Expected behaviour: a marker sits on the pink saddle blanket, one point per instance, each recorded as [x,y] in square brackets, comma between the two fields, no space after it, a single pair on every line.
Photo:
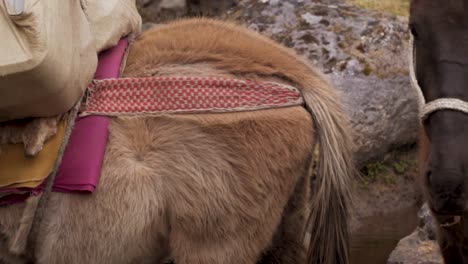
[83,157]
[82,161]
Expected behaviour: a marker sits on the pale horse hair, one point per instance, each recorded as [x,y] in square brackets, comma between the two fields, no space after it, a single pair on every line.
[208,188]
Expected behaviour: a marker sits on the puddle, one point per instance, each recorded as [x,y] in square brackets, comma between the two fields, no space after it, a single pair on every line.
[379,235]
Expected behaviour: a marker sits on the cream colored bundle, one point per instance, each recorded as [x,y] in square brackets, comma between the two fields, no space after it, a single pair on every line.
[48,52]
[111,19]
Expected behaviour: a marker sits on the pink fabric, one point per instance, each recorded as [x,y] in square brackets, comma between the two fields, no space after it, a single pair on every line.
[15,198]
[17,195]
[83,157]
[82,160]
[110,60]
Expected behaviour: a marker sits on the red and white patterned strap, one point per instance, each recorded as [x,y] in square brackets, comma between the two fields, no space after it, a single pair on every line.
[171,95]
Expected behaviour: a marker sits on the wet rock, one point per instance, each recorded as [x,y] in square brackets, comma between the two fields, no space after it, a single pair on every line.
[330,1]
[172,4]
[427,222]
[311,19]
[159,11]
[210,7]
[383,113]
[420,247]
[147,26]
[416,249]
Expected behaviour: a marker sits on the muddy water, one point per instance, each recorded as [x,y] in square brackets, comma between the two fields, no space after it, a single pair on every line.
[378,235]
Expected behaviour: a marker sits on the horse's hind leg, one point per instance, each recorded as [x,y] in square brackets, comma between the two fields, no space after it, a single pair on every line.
[221,230]
[288,244]
[239,240]
[213,252]
[287,248]
[218,240]
[227,207]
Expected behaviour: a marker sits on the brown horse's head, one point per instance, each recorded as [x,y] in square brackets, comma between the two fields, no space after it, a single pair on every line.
[440,30]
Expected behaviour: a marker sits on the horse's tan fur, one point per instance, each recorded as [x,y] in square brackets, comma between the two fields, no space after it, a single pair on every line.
[213,188]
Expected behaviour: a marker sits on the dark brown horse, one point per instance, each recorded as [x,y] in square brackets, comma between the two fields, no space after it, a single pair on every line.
[440,32]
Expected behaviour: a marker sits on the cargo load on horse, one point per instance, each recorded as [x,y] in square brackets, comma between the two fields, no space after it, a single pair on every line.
[48,52]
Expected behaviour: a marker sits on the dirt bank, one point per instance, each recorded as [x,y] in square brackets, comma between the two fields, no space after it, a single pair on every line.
[386,186]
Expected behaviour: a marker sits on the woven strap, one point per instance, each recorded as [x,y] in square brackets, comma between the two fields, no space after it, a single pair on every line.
[170,95]
[425,109]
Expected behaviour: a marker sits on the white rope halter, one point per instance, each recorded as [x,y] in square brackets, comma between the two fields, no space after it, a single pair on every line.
[425,109]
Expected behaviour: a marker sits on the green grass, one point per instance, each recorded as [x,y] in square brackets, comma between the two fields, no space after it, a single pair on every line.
[396,7]
[373,170]
[400,162]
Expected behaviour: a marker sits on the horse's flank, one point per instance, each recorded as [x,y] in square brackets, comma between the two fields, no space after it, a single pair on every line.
[213,188]
[245,53]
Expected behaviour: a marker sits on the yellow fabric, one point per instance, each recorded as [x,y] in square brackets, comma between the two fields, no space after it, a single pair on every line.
[30,184]
[17,170]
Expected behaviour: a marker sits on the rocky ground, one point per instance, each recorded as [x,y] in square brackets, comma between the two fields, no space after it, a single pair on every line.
[364,53]
[420,247]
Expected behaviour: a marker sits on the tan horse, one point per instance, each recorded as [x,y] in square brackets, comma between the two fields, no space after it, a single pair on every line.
[211,188]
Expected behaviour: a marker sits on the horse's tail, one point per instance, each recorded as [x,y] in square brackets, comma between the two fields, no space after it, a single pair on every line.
[329,240]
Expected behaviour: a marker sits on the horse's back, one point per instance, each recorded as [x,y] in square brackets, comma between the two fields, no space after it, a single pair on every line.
[210,188]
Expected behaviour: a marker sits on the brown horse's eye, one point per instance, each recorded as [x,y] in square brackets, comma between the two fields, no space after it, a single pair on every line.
[412,28]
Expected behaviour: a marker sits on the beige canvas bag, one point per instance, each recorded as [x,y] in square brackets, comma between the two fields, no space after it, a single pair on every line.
[48,50]
[111,19]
